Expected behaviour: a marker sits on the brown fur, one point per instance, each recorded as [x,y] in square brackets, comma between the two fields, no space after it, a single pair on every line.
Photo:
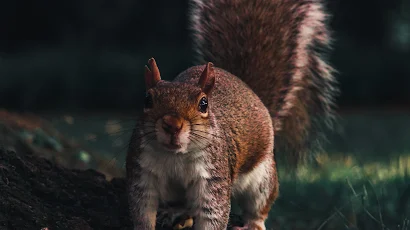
[237,122]
[276,47]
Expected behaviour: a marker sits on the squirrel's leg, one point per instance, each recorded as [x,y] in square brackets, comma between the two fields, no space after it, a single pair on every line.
[143,201]
[210,203]
[216,205]
[256,192]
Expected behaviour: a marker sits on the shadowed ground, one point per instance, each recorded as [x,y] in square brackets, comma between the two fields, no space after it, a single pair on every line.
[34,194]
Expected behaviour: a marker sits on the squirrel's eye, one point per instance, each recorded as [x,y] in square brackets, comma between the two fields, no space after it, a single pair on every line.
[148,101]
[203,105]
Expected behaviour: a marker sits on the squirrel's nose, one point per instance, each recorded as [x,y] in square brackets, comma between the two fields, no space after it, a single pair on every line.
[171,124]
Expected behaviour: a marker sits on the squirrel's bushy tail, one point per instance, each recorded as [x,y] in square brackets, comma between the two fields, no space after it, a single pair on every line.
[277,48]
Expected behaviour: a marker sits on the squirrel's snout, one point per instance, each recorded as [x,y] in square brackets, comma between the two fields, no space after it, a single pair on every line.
[171,124]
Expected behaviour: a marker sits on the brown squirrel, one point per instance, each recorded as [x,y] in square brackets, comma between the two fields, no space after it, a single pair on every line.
[208,135]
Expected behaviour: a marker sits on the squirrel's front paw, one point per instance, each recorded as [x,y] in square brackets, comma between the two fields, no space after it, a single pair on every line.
[183,222]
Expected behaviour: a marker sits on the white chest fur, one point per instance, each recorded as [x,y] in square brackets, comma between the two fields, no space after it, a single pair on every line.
[167,168]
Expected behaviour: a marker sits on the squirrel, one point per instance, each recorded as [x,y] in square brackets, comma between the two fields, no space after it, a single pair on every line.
[208,136]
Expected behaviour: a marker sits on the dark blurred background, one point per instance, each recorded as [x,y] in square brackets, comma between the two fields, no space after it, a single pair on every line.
[79,64]
[89,54]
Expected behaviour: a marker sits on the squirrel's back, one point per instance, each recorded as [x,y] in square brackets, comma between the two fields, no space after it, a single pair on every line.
[276,47]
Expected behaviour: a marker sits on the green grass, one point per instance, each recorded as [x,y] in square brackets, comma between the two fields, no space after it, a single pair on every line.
[342,193]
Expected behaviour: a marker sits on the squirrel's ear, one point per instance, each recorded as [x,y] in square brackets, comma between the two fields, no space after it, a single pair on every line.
[152,75]
[207,79]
